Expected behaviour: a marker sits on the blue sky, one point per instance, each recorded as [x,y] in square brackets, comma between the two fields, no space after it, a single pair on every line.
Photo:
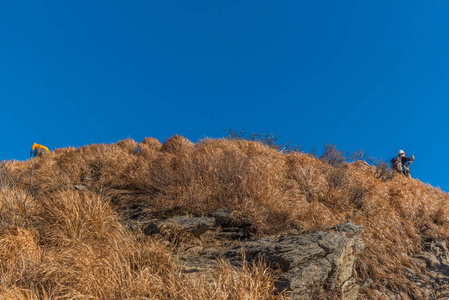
[357,74]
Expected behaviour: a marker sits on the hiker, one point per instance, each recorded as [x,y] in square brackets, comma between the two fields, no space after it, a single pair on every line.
[38,150]
[401,164]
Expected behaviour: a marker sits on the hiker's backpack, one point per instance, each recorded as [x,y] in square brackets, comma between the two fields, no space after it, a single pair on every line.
[396,164]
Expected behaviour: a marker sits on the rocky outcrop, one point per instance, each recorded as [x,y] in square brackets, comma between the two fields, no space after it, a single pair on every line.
[195,226]
[221,221]
[434,263]
[320,259]
[307,263]
[429,272]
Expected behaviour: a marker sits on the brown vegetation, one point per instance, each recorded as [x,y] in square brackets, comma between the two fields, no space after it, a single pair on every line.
[71,244]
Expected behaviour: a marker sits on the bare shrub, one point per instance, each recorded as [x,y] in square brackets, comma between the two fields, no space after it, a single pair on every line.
[269,139]
[332,155]
[359,154]
[289,147]
[383,170]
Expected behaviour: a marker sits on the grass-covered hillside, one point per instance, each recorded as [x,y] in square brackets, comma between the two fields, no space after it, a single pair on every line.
[57,242]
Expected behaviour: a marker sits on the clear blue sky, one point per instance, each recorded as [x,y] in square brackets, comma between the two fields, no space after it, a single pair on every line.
[357,74]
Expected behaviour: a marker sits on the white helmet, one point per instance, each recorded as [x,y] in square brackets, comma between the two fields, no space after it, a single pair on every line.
[401,152]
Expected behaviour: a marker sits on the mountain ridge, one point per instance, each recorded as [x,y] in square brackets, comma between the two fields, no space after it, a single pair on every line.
[279,192]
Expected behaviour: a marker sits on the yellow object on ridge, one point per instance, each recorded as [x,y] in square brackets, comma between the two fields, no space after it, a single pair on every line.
[37,146]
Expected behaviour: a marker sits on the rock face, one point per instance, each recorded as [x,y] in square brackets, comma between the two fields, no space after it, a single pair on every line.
[305,261]
[434,259]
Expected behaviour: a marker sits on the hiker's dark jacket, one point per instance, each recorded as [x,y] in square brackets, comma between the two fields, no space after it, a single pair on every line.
[405,160]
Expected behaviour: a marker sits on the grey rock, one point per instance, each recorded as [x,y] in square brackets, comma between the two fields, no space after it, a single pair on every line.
[228,235]
[222,216]
[430,260]
[229,228]
[136,212]
[80,187]
[315,259]
[241,223]
[152,228]
[348,227]
[432,274]
[231,233]
[196,226]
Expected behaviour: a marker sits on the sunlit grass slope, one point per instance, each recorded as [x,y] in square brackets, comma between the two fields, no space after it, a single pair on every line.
[69,244]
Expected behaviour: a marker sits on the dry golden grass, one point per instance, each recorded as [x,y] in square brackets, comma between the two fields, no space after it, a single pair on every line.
[70,244]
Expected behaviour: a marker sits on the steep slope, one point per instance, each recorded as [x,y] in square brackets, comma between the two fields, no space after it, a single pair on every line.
[67,243]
